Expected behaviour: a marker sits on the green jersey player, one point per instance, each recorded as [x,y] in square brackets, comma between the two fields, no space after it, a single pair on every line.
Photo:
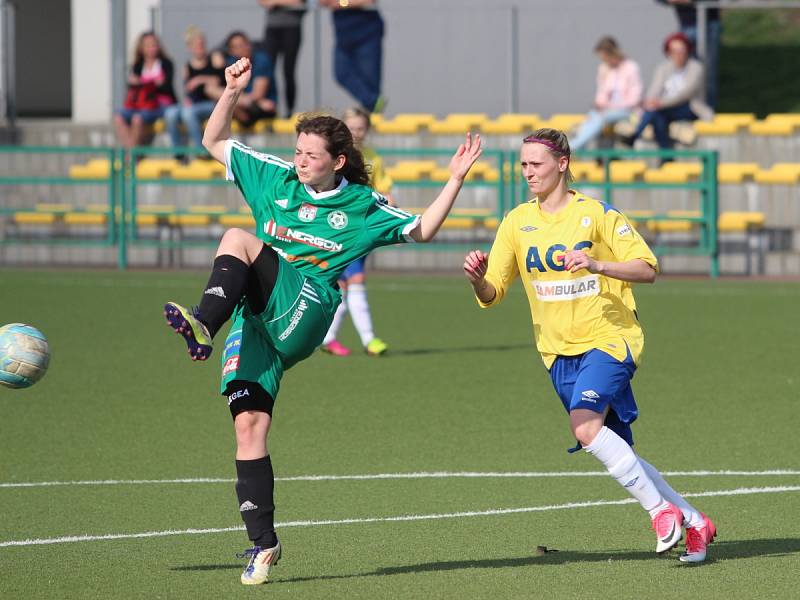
[313,217]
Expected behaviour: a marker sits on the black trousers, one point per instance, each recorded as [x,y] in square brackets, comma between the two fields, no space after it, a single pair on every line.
[284,42]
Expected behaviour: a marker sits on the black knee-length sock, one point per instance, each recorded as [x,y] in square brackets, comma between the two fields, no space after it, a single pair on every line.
[224,290]
[254,488]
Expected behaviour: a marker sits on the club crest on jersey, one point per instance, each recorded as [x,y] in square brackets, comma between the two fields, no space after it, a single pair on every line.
[307,212]
[337,219]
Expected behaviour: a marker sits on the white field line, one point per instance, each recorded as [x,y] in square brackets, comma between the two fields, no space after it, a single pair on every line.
[430,517]
[417,475]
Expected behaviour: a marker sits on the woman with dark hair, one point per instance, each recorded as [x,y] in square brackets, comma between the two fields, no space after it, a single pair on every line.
[259,99]
[313,218]
[578,258]
[150,91]
[282,37]
[677,92]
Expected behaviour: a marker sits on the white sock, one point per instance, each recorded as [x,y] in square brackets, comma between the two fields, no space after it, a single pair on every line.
[338,317]
[621,461]
[359,311]
[691,515]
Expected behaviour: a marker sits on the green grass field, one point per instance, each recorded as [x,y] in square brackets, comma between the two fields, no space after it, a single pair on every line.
[462,391]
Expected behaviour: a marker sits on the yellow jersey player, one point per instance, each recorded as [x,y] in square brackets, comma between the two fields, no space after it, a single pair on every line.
[577,258]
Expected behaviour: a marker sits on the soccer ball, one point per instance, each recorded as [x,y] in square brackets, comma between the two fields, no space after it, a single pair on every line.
[24,355]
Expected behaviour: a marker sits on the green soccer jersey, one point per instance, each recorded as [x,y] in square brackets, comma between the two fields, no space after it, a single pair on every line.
[320,233]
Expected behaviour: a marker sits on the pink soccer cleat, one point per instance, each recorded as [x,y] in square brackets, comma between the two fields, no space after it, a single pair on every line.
[697,540]
[668,524]
[336,349]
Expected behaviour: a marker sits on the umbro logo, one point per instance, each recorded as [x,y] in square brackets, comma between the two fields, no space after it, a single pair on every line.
[215,291]
[631,483]
[590,396]
[528,228]
[247,505]
[282,202]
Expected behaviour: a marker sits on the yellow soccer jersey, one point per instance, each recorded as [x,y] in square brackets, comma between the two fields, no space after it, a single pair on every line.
[572,312]
[379,180]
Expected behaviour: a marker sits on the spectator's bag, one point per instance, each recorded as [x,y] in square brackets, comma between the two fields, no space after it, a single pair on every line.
[141,97]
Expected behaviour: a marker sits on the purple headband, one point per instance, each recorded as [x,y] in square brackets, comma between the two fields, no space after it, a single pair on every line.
[535,140]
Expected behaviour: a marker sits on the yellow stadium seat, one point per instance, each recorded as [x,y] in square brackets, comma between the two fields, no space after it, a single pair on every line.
[738,221]
[459,123]
[284,126]
[673,172]
[189,220]
[34,218]
[99,208]
[85,218]
[404,123]
[776,124]
[716,127]
[156,209]
[97,168]
[144,220]
[639,216]
[153,168]
[159,126]
[458,223]
[587,171]
[410,170]
[491,222]
[627,171]
[191,171]
[677,225]
[564,122]
[237,221]
[741,119]
[780,173]
[511,123]
[736,172]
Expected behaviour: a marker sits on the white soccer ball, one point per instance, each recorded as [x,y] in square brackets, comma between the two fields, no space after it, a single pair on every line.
[24,355]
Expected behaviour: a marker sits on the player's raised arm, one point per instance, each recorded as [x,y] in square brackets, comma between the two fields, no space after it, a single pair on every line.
[218,129]
[437,212]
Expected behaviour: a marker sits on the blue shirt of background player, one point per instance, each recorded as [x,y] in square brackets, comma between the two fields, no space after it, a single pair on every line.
[262,67]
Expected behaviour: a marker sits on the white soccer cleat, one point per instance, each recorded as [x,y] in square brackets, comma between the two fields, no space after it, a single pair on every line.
[261,561]
[697,540]
[667,525]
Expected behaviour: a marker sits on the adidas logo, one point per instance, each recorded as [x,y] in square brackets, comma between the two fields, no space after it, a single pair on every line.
[247,505]
[283,202]
[216,291]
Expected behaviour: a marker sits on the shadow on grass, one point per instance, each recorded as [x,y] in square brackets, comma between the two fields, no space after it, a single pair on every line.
[722,550]
[420,351]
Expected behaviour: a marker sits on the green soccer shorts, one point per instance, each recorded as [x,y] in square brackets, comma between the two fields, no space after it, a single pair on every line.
[259,348]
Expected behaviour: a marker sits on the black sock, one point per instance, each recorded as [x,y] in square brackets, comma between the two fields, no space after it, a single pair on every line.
[254,485]
[263,276]
[223,292]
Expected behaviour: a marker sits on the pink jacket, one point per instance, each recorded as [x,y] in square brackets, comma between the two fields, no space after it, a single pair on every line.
[620,87]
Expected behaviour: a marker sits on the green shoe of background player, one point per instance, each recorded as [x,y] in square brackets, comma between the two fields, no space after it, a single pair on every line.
[376,347]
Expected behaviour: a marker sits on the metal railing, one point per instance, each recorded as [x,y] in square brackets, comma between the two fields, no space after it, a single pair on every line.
[124,212]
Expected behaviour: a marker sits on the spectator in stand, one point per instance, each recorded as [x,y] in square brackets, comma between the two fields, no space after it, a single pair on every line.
[282,38]
[676,93]
[150,91]
[358,53]
[619,91]
[260,97]
[686,11]
[203,82]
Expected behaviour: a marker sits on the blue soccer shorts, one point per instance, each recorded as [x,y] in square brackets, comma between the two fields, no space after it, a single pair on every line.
[354,268]
[595,381]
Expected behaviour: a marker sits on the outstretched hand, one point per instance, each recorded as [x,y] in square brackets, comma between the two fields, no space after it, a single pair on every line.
[237,76]
[465,156]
